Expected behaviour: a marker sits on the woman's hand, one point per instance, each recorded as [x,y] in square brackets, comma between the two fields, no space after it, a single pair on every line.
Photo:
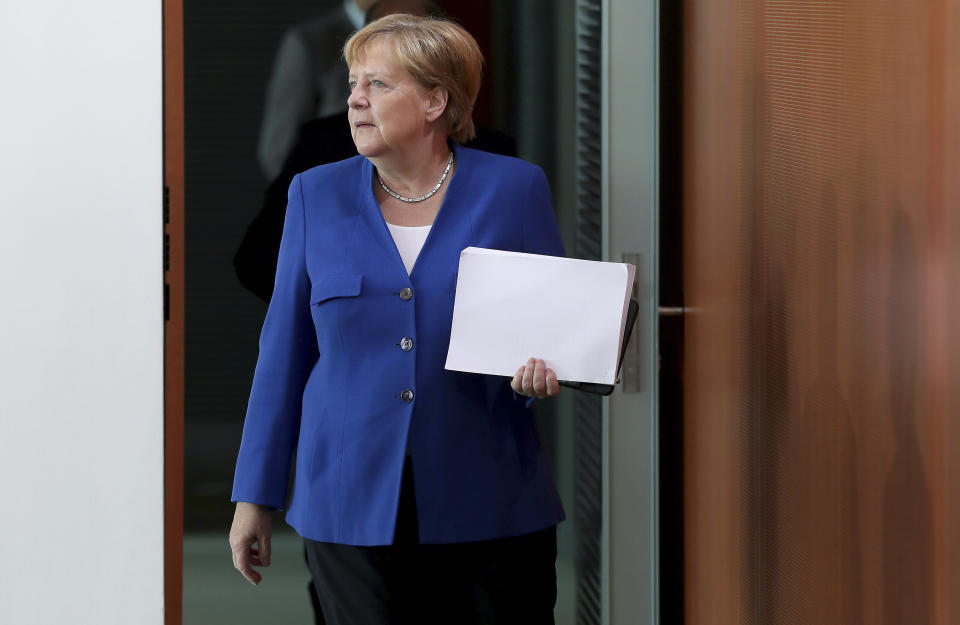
[251,524]
[535,380]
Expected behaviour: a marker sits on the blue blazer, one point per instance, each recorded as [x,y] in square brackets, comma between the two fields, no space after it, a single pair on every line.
[333,383]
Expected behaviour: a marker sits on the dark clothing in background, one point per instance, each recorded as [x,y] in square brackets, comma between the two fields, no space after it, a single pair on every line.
[321,141]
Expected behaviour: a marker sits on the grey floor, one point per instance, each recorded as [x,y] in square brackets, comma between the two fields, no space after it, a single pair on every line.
[215,594]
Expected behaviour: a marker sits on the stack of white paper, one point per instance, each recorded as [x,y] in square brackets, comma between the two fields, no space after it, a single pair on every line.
[511,306]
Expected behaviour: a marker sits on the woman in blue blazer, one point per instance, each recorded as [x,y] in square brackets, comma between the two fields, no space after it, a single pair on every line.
[423,494]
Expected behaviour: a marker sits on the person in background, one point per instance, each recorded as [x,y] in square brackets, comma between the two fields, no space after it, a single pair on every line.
[423,495]
[309,80]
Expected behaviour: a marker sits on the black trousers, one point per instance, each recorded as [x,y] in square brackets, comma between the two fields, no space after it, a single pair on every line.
[504,581]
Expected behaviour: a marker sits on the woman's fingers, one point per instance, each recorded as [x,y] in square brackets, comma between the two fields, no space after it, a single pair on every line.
[517,382]
[528,371]
[540,379]
[534,379]
[553,385]
[250,573]
[244,560]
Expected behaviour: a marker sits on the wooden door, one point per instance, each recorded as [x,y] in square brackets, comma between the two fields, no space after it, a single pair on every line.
[821,237]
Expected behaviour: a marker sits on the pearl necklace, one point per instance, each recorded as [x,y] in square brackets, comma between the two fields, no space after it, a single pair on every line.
[422,197]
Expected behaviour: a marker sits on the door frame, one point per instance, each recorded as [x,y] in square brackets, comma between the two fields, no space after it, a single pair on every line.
[630,121]
[174,326]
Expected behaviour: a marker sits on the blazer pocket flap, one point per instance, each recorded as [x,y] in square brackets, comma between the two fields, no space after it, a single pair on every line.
[329,287]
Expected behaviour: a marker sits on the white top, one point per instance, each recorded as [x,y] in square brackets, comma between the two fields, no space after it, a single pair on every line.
[409,240]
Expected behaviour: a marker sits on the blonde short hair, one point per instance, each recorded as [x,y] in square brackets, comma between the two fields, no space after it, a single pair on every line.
[437,53]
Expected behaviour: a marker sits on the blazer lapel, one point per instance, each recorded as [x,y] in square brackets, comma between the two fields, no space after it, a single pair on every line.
[451,217]
[373,219]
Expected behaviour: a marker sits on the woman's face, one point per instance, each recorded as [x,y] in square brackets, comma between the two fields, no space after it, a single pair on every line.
[389,109]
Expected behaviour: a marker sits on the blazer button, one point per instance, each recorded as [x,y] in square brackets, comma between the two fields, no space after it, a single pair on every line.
[406,395]
[406,344]
[406,293]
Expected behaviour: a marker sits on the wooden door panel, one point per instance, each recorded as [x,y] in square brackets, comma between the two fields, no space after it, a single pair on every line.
[821,276]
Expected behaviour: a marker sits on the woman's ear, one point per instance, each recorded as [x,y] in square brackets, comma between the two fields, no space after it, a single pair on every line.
[436,103]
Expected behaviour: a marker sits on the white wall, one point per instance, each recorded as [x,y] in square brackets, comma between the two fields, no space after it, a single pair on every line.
[81,362]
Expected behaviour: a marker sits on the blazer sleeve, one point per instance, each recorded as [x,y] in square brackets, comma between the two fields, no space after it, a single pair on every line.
[288,352]
[541,234]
